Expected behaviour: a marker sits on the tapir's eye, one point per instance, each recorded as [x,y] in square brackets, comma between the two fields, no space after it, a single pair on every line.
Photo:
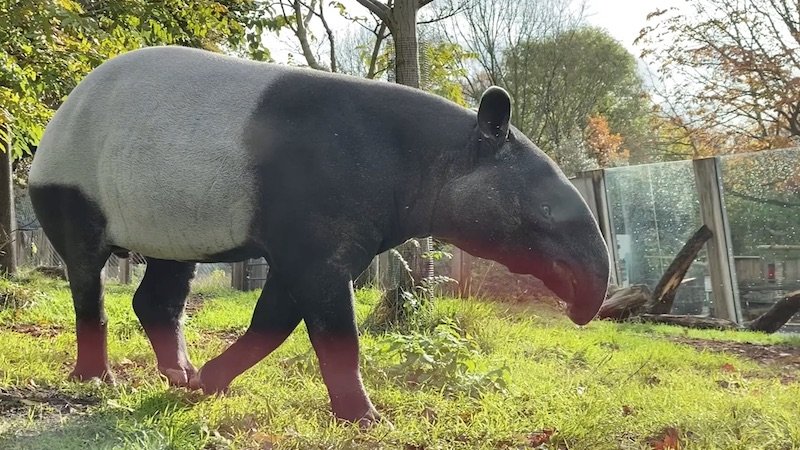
[546,212]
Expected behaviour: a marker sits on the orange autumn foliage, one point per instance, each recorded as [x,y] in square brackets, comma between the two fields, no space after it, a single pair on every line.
[604,145]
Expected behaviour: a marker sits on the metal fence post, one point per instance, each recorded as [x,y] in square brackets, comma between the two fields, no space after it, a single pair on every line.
[591,184]
[724,290]
[124,269]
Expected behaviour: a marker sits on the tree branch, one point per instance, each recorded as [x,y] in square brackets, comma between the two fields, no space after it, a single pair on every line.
[329,32]
[765,201]
[379,9]
[302,36]
[380,35]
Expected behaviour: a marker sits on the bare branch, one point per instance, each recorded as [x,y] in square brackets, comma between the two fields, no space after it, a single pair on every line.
[329,32]
[380,35]
[302,35]
[379,9]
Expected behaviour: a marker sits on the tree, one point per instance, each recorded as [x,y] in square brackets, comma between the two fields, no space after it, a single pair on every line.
[602,144]
[400,18]
[489,29]
[297,16]
[730,66]
[560,82]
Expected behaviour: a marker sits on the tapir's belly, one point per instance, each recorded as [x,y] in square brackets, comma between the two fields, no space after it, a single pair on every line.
[179,212]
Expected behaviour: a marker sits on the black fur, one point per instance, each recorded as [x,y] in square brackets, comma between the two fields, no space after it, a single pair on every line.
[159,302]
[76,228]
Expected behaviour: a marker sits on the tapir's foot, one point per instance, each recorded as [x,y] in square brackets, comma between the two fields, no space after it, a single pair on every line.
[102,374]
[211,379]
[358,410]
[368,420]
[179,376]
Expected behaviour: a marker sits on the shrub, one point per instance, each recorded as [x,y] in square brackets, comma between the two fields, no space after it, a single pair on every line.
[16,295]
[444,360]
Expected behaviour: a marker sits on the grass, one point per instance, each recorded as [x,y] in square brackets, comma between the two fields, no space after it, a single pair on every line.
[537,378]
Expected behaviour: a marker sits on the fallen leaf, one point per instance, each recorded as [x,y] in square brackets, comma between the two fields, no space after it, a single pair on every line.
[540,438]
[627,410]
[728,367]
[669,440]
[652,380]
[429,414]
[265,441]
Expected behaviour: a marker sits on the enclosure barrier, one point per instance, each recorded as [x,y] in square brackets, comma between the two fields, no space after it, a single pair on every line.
[749,201]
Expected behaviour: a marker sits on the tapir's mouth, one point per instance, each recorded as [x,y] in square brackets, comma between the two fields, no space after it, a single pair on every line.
[577,286]
[577,290]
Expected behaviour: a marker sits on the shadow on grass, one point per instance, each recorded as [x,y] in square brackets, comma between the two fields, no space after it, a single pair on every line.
[110,426]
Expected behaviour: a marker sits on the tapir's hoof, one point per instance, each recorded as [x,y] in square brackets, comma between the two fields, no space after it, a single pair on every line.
[369,420]
[94,375]
[180,377]
[209,385]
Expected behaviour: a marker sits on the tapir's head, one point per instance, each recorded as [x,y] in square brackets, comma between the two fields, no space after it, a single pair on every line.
[512,204]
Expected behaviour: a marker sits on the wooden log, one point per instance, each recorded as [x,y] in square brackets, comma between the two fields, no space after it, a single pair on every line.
[664,292]
[777,316]
[689,321]
[624,302]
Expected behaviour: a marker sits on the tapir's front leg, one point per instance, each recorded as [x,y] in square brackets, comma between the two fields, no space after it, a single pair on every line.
[275,317]
[327,306]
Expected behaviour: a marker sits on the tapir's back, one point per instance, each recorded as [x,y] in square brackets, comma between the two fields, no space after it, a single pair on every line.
[154,138]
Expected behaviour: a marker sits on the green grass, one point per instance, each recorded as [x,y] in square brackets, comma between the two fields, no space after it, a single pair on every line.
[604,386]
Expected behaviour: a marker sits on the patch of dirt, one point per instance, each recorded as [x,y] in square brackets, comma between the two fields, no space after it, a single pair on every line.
[15,401]
[36,330]
[229,336]
[194,303]
[786,358]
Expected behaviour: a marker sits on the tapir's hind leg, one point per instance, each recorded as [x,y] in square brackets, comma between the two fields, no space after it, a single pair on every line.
[159,303]
[90,322]
[76,228]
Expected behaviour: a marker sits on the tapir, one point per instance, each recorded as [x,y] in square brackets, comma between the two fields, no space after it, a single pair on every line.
[187,156]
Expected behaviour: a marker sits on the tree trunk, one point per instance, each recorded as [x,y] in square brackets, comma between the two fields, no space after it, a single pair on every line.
[708,323]
[8,225]
[777,316]
[403,26]
[664,292]
[625,302]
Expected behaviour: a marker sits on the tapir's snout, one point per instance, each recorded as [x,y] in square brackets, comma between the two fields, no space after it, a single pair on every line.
[582,284]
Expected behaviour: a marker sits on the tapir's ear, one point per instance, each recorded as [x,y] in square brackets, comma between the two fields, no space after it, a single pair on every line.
[494,114]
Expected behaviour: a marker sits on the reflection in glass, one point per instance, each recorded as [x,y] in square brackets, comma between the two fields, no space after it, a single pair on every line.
[762,198]
[654,210]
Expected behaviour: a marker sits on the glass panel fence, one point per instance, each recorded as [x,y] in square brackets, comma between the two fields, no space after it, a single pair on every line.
[762,198]
[654,210]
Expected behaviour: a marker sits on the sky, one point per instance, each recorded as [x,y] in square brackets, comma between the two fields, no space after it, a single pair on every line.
[624,18]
